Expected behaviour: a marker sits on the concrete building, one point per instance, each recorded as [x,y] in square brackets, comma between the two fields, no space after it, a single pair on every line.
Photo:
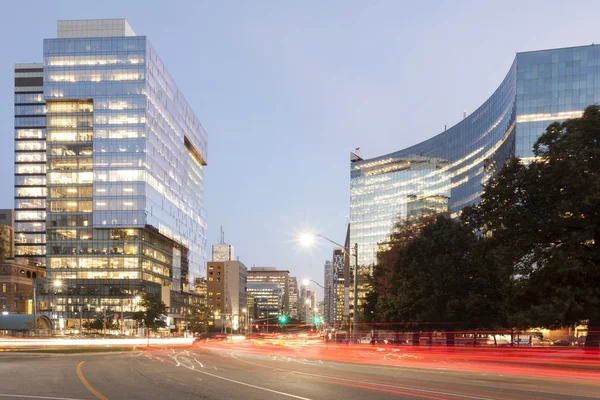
[226,292]
[273,275]
[109,164]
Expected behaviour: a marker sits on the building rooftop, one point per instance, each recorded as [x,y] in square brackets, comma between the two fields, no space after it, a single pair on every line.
[90,28]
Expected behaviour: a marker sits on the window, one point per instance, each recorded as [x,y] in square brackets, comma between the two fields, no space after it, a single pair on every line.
[30,168]
[4,288]
[29,133]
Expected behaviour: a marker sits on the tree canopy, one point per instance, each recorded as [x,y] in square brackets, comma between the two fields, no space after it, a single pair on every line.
[152,314]
[528,255]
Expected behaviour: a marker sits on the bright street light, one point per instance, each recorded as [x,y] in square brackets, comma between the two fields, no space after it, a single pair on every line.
[57,283]
[307,239]
[307,301]
[244,310]
[305,282]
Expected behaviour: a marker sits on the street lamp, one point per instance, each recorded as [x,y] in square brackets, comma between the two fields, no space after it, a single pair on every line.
[307,311]
[307,240]
[307,281]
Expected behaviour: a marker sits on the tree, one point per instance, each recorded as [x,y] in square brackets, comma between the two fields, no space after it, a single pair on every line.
[152,315]
[567,175]
[197,319]
[439,281]
[542,222]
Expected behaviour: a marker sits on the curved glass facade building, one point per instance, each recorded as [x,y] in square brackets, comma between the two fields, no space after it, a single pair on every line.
[446,172]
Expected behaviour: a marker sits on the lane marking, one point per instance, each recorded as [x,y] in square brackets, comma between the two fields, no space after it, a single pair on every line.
[464,396]
[24,396]
[86,383]
[246,384]
[249,385]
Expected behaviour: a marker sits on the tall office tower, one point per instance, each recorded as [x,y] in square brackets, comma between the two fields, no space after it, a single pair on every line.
[293,297]
[328,303]
[222,252]
[123,179]
[226,290]
[272,274]
[30,165]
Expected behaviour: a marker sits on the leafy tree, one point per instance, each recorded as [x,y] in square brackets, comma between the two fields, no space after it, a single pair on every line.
[568,267]
[439,281]
[197,319]
[152,315]
[542,222]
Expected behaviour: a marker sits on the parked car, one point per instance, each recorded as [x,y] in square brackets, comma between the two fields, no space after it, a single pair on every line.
[561,342]
[365,340]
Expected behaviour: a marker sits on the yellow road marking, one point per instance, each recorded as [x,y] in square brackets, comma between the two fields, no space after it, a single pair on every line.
[87,384]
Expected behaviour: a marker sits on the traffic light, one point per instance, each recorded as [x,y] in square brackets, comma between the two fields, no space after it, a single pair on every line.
[283,319]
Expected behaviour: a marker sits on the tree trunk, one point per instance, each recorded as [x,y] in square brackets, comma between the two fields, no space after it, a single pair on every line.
[148,336]
[495,342]
[593,336]
[415,338]
[474,339]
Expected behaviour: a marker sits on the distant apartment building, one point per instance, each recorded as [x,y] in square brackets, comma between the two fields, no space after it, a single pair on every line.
[294,297]
[109,164]
[273,275]
[226,291]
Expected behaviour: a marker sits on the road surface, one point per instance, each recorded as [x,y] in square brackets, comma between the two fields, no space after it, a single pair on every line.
[238,372]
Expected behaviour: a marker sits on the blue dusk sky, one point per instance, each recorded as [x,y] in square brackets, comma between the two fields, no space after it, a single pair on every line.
[287,89]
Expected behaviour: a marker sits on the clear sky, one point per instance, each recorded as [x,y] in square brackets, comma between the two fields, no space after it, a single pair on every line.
[287,89]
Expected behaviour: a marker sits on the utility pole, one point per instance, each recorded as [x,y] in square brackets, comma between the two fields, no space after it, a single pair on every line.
[34,308]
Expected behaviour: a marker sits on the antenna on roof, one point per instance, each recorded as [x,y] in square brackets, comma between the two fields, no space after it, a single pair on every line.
[222,238]
[464,114]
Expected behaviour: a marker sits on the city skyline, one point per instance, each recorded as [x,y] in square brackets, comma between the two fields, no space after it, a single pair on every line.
[321,119]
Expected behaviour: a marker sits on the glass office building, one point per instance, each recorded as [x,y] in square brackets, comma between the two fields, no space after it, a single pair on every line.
[121,157]
[447,172]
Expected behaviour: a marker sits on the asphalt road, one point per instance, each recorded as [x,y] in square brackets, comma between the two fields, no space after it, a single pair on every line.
[230,372]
